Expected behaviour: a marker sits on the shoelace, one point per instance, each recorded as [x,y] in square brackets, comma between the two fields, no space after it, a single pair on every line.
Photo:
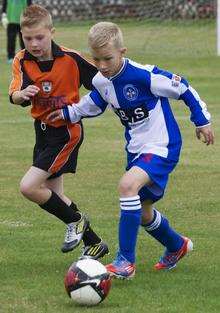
[170,257]
[120,260]
[69,231]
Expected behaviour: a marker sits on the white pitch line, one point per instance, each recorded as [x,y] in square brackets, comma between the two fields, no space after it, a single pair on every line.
[15,223]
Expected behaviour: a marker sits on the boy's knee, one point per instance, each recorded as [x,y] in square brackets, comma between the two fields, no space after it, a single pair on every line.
[25,189]
[127,188]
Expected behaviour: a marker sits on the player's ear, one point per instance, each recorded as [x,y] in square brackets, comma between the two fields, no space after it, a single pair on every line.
[123,50]
[53,31]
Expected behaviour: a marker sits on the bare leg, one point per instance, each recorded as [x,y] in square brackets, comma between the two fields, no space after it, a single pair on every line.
[32,185]
[56,185]
[147,212]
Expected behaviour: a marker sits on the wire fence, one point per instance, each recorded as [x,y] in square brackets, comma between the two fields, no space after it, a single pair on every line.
[75,10]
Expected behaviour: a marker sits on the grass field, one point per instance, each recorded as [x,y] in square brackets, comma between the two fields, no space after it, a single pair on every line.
[31,264]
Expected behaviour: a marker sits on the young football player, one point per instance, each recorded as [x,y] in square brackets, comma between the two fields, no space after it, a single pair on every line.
[49,76]
[11,11]
[139,94]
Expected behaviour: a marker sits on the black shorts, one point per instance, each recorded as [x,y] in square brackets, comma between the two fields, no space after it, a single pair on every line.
[56,148]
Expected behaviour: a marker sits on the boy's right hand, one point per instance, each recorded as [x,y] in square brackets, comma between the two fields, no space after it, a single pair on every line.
[4,20]
[29,92]
[19,97]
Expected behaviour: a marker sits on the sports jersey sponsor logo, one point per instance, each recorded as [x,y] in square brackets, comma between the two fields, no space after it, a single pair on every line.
[55,102]
[47,86]
[130,92]
[176,80]
[132,115]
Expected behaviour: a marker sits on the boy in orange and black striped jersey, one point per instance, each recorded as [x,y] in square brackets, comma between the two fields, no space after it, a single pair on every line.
[47,76]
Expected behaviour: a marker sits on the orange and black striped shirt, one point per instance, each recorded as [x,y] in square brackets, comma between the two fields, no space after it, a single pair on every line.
[59,80]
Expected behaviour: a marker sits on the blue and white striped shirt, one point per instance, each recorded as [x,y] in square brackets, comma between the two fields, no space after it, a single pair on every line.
[139,94]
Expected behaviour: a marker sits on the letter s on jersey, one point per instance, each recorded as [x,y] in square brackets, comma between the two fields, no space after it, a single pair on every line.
[139,113]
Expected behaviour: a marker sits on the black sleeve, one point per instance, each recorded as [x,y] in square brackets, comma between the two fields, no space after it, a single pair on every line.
[23,104]
[29,2]
[4,6]
[86,70]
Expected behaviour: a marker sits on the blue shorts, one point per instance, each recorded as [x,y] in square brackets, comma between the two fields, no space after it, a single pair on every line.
[158,169]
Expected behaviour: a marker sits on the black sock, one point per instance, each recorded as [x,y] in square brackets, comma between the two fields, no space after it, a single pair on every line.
[90,237]
[56,206]
[68,214]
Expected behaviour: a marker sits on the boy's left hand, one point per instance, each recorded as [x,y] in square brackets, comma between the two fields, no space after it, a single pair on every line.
[206,134]
[55,116]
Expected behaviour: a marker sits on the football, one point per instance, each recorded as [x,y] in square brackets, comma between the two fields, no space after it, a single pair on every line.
[87,282]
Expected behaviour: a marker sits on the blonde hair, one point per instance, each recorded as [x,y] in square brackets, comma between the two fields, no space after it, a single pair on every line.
[34,15]
[102,33]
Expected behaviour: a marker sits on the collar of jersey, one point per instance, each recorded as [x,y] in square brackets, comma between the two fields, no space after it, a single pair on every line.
[56,50]
[122,69]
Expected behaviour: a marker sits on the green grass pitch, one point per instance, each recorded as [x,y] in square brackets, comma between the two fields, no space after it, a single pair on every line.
[32,267]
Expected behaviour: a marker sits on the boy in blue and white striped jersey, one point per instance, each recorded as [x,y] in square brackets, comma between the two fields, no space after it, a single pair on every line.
[139,95]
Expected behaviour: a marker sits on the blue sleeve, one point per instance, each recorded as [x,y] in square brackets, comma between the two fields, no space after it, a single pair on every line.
[169,85]
[199,114]
[98,100]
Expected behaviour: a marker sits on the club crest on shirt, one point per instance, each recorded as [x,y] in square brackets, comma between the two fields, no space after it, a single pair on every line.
[130,92]
[47,86]
[176,80]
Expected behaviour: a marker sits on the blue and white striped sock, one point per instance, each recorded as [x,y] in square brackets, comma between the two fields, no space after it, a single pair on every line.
[130,220]
[160,229]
